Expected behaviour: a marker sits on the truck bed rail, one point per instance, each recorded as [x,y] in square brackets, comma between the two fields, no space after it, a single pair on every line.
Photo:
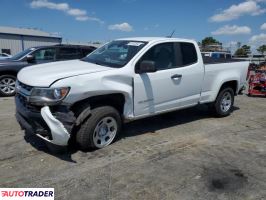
[209,60]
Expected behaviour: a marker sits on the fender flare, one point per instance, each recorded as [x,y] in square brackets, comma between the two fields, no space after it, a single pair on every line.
[83,115]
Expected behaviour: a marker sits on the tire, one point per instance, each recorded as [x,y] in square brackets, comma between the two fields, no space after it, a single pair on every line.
[224,102]
[100,129]
[7,85]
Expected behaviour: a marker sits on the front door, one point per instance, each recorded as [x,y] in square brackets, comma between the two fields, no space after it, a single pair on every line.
[176,83]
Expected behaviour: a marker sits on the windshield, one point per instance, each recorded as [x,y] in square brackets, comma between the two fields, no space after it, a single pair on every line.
[22,54]
[115,54]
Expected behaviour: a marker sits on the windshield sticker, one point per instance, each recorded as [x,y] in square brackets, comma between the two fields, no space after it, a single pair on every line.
[135,43]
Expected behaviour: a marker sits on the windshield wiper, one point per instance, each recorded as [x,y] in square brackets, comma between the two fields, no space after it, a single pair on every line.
[97,63]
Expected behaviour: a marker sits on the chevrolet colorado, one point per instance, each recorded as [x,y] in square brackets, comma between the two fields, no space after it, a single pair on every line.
[127,79]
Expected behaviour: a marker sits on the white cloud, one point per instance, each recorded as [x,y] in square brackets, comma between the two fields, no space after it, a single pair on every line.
[232,30]
[76,12]
[258,39]
[121,27]
[82,18]
[263,26]
[235,11]
[49,5]
[79,14]
[95,19]
[260,1]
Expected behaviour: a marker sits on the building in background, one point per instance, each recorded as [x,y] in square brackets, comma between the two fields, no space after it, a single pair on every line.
[14,40]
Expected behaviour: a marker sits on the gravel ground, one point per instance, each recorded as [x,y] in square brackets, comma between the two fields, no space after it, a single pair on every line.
[182,155]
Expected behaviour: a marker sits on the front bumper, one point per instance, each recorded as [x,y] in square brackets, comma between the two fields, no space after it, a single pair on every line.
[53,127]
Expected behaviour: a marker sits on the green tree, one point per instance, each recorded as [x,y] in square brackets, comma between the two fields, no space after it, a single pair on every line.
[208,41]
[262,49]
[240,52]
[246,48]
[243,51]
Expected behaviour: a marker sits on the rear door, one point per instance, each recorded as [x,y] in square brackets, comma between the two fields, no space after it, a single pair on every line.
[176,83]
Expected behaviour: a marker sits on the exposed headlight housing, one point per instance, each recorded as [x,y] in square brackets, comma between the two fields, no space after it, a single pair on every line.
[48,96]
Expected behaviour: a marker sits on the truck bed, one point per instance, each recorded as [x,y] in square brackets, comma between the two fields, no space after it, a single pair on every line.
[209,60]
[219,70]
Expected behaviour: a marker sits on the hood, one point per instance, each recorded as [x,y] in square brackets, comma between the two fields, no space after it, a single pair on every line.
[44,75]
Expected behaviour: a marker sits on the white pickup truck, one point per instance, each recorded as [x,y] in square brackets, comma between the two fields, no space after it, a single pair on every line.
[127,79]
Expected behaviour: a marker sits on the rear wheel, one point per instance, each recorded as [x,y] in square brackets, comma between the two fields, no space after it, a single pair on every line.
[100,129]
[7,85]
[224,102]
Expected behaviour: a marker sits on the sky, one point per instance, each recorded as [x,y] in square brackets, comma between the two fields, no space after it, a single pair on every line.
[229,21]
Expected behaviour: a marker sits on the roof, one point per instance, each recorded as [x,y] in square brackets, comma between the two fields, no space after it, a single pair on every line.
[62,45]
[74,45]
[81,43]
[153,39]
[26,31]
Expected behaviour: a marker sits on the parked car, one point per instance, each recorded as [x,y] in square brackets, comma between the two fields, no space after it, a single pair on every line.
[4,56]
[126,79]
[36,55]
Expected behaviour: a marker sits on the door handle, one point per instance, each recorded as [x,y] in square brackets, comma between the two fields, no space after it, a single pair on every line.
[176,76]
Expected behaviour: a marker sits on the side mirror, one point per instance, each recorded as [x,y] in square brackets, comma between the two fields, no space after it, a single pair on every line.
[146,66]
[30,58]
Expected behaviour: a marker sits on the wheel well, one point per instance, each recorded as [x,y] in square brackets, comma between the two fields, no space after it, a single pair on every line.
[231,84]
[8,73]
[116,100]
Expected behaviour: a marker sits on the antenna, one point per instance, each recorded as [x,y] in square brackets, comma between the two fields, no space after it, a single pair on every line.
[171,34]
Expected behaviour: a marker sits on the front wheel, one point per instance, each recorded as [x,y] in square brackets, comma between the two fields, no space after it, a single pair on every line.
[224,102]
[7,85]
[100,129]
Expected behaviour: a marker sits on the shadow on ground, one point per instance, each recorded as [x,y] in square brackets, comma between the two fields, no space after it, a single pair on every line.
[131,129]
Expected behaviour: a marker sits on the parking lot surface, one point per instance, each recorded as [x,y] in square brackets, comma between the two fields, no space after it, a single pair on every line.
[187,154]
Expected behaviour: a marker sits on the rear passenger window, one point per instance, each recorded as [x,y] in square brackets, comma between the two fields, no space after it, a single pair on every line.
[86,51]
[189,53]
[69,53]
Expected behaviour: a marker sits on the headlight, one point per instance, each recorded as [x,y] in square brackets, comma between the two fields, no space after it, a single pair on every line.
[48,96]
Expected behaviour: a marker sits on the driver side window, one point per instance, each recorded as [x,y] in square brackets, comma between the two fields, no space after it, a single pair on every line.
[163,55]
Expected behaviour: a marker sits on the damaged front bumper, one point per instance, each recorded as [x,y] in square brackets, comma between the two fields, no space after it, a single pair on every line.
[52,124]
[60,135]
